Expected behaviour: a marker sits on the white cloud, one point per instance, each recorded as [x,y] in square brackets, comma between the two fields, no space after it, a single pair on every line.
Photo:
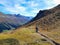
[33,6]
[51,3]
[57,1]
[21,8]
[35,10]
[16,9]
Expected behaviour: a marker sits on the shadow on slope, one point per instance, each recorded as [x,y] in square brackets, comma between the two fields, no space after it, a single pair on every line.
[9,41]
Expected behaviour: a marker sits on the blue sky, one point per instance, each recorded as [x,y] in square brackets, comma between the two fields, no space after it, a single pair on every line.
[26,7]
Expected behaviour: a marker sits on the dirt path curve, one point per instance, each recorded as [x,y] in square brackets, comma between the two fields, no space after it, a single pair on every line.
[48,39]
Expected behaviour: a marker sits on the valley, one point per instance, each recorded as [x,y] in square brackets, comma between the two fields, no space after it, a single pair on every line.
[48,23]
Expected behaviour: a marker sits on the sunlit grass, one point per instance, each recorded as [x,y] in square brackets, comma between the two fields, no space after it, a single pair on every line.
[25,36]
[53,34]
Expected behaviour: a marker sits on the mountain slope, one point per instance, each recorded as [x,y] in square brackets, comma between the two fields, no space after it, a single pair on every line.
[22,36]
[49,24]
[47,19]
[26,35]
[12,21]
[43,13]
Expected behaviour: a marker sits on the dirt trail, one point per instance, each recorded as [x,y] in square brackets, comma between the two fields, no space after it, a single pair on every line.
[48,39]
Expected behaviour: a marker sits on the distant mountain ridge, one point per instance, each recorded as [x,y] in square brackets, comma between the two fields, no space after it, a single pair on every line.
[12,21]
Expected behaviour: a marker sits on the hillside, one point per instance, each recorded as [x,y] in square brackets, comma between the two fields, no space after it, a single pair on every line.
[48,23]
[47,19]
[22,36]
[12,21]
[43,13]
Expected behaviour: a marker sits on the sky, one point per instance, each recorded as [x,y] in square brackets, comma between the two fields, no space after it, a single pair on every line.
[26,7]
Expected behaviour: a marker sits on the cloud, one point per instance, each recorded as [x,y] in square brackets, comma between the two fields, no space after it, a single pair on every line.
[26,7]
[32,4]
[17,9]
[51,3]
[56,1]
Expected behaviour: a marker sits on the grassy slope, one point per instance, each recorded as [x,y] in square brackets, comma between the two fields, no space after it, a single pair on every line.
[49,25]
[54,34]
[24,36]
[27,35]
[53,31]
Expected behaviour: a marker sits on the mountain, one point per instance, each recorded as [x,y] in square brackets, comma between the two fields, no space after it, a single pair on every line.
[12,21]
[48,23]
[43,13]
[47,19]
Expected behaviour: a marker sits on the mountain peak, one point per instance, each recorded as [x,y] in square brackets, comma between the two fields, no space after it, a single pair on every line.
[58,6]
[44,13]
[47,19]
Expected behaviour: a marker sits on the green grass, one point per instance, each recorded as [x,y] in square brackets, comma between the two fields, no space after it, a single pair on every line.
[25,36]
[9,41]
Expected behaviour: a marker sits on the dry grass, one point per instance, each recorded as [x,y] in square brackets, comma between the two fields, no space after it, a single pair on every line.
[53,34]
[25,36]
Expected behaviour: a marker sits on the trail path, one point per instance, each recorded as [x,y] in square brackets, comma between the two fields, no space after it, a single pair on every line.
[48,39]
